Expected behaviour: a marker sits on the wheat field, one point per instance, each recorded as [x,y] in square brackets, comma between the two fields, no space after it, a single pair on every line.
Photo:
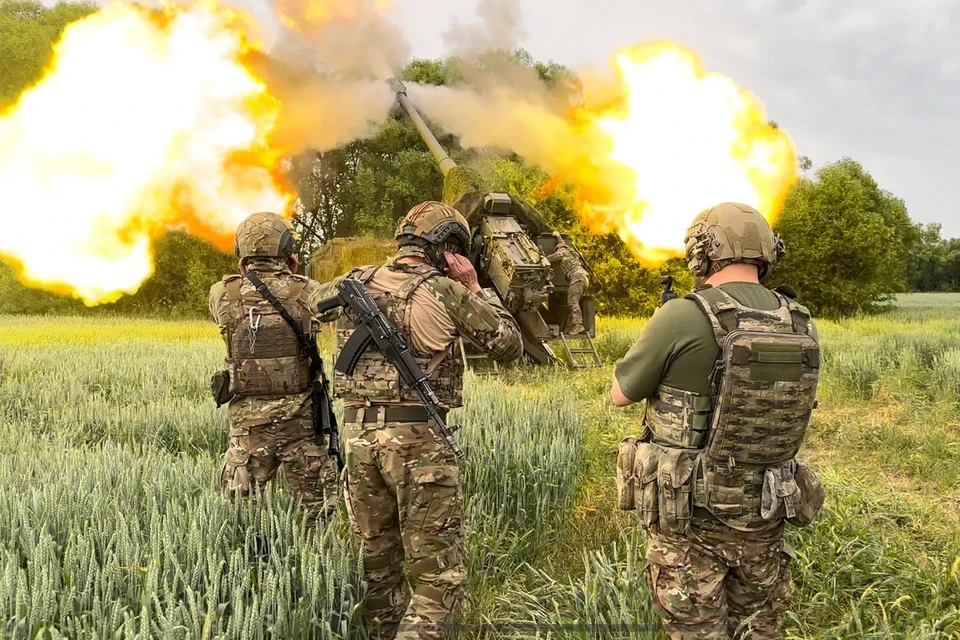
[111,525]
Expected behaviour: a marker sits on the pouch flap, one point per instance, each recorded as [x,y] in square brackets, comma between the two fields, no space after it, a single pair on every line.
[676,467]
[647,462]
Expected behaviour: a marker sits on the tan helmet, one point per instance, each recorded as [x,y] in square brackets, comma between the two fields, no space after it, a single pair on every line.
[727,233]
[434,227]
[264,235]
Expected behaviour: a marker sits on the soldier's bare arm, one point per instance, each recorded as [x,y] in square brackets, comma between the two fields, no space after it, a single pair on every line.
[481,318]
[638,374]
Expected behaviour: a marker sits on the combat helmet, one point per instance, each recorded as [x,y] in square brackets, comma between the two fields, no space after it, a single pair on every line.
[264,235]
[432,228]
[727,233]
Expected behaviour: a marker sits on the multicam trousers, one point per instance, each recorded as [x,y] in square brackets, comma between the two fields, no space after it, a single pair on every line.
[708,585]
[405,503]
[257,451]
[574,292]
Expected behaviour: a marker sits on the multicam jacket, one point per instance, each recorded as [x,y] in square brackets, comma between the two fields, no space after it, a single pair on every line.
[569,262]
[433,312]
[268,371]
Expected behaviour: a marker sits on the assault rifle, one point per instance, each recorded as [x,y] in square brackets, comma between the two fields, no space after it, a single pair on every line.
[324,420]
[374,328]
[668,293]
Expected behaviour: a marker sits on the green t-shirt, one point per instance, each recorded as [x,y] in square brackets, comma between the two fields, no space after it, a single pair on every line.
[678,347]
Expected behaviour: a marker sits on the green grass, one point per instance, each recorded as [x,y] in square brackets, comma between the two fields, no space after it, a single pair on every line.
[111,525]
[929,300]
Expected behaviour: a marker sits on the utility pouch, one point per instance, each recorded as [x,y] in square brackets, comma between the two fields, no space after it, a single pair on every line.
[780,496]
[812,496]
[626,485]
[220,388]
[724,488]
[675,487]
[645,468]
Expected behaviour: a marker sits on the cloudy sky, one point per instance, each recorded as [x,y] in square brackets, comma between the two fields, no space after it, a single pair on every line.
[876,80]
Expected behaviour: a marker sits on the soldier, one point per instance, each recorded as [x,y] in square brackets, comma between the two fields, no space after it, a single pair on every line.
[271,410]
[403,483]
[718,475]
[577,281]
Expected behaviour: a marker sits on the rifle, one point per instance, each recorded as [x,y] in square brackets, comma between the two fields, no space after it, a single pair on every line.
[322,406]
[374,327]
[668,293]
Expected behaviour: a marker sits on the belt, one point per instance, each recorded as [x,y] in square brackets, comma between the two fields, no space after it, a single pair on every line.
[390,414]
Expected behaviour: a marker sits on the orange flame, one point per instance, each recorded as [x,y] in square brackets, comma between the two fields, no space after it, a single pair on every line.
[678,140]
[145,121]
[300,15]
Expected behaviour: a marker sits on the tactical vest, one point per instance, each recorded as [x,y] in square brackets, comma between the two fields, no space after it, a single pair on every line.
[376,380]
[264,356]
[763,395]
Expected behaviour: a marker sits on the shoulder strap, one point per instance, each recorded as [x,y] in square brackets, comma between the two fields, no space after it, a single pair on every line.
[309,348]
[363,274]
[233,288]
[720,308]
[405,292]
[799,314]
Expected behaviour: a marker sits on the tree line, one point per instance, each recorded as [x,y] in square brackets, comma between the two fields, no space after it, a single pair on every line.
[851,246]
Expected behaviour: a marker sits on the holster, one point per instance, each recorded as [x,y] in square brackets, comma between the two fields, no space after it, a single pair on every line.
[220,388]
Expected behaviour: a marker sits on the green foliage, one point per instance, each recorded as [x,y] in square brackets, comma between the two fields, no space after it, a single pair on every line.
[184,269]
[20,298]
[28,31]
[935,262]
[847,241]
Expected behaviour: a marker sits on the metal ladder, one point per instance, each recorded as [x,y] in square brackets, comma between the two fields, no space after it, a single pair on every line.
[478,359]
[572,353]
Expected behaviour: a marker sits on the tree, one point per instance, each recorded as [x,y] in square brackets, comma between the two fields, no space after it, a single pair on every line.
[935,262]
[28,31]
[847,241]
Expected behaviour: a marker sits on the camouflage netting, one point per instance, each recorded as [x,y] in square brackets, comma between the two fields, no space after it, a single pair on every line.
[458,181]
[342,254]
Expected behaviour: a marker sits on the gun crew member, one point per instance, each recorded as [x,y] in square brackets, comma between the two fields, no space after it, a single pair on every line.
[403,483]
[577,283]
[729,375]
[270,378]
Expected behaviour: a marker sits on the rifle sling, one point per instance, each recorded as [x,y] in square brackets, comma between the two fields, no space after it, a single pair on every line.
[309,349]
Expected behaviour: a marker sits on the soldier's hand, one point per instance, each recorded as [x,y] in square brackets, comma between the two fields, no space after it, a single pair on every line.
[461,270]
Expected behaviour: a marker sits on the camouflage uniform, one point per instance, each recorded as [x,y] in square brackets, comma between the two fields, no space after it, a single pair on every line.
[576,275]
[715,475]
[403,484]
[272,426]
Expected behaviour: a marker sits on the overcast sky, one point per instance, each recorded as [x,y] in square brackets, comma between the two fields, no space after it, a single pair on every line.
[876,80]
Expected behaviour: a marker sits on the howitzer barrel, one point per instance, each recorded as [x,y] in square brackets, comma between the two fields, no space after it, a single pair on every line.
[445,162]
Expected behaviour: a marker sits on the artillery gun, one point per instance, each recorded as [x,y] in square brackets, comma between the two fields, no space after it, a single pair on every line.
[510,241]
